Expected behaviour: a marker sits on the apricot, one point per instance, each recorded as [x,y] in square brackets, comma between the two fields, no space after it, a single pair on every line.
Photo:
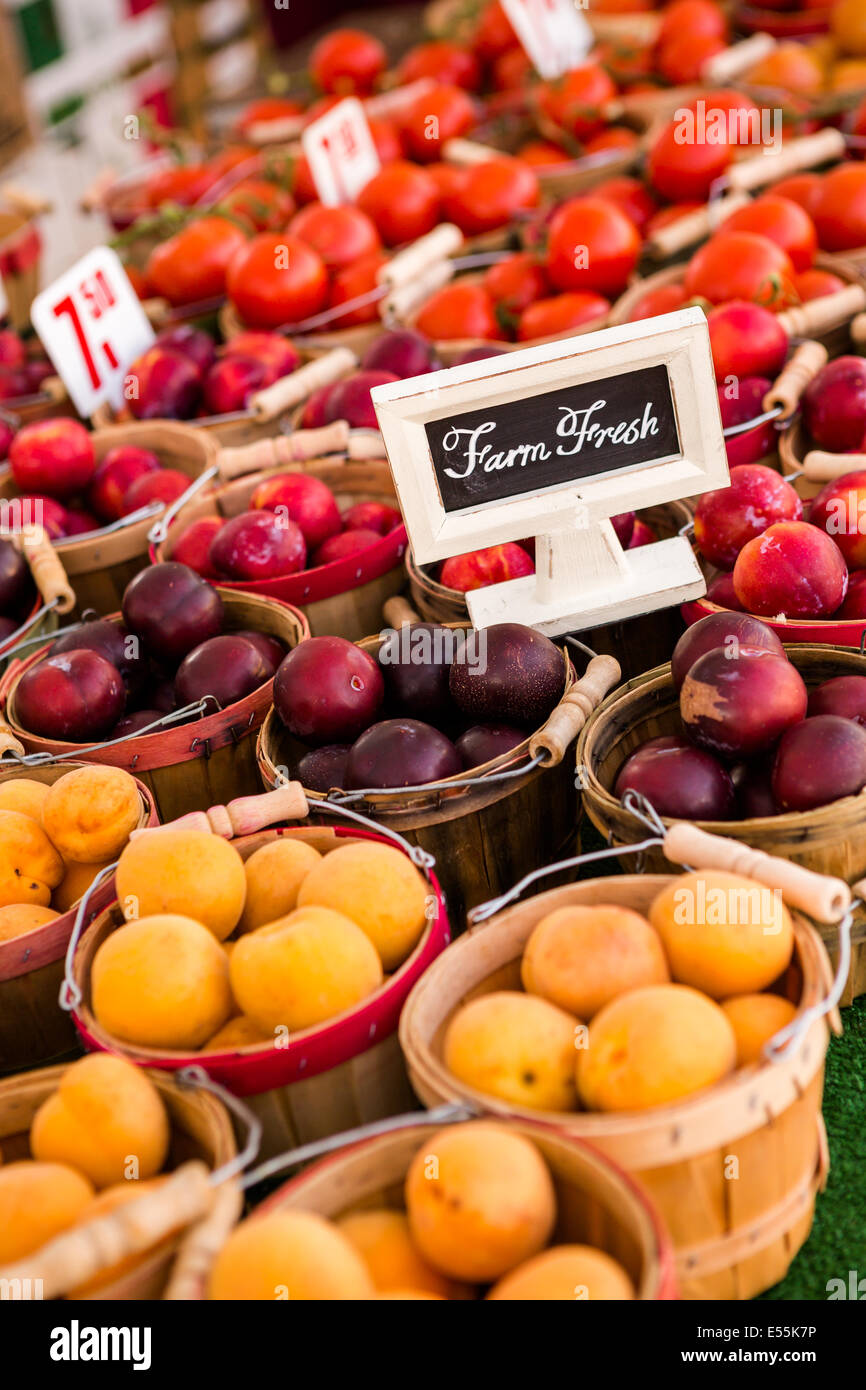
[106,1119]
[238,1032]
[37,1202]
[75,883]
[303,969]
[582,957]
[514,1046]
[567,1272]
[653,1046]
[103,1204]
[407,1295]
[25,796]
[90,813]
[722,933]
[379,888]
[384,1242]
[480,1200]
[755,1019]
[188,873]
[295,1255]
[274,874]
[161,982]
[18,918]
[29,864]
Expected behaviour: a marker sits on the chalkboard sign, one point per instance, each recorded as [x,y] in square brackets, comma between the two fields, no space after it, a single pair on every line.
[555,437]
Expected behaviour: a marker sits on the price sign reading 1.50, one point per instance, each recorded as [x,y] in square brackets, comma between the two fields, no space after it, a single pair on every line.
[93,327]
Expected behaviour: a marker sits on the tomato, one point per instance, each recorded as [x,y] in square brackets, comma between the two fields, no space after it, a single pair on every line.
[386,138]
[431,119]
[616,137]
[784,222]
[494,34]
[276,279]
[341,235]
[592,245]
[351,283]
[321,107]
[800,188]
[265,205]
[663,300]
[444,61]
[447,177]
[746,340]
[489,194]
[625,59]
[858,120]
[741,265]
[139,281]
[560,314]
[192,264]
[576,101]
[682,58]
[696,17]
[815,284]
[630,196]
[512,70]
[685,170]
[790,68]
[848,26]
[738,113]
[182,183]
[403,201]
[840,208]
[347,60]
[461,310]
[542,153]
[267,109]
[516,282]
[665,216]
[303,188]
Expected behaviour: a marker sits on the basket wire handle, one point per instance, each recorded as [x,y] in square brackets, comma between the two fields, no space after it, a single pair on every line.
[176,716]
[786,1042]
[198,1078]
[440,1115]
[70,995]
[159,530]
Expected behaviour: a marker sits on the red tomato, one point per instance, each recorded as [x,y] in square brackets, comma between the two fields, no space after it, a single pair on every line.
[192,264]
[692,17]
[815,284]
[516,282]
[351,283]
[444,61]
[663,300]
[447,177]
[840,208]
[341,235]
[576,101]
[347,60]
[741,265]
[303,188]
[800,188]
[265,205]
[784,222]
[592,245]
[276,279]
[858,120]
[616,137]
[403,201]
[685,170]
[625,59]
[631,196]
[512,70]
[542,153]
[267,109]
[494,34]
[560,314]
[430,120]
[682,58]
[665,216]
[488,195]
[460,310]
[182,183]
[321,107]
[386,138]
[139,281]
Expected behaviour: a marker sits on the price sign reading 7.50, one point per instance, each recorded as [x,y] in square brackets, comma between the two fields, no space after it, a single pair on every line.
[92,326]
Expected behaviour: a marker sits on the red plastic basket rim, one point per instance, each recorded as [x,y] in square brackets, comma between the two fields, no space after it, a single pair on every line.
[844,632]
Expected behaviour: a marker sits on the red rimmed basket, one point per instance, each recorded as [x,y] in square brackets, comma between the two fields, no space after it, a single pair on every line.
[344,598]
[345,1072]
[34,1030]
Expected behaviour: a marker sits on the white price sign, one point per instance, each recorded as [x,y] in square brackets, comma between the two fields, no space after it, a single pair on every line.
[341,152]
[556,36]
[92,326]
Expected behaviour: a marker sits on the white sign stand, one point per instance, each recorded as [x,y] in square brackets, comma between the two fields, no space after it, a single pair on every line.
[341,153]
[511,437]
[554,34]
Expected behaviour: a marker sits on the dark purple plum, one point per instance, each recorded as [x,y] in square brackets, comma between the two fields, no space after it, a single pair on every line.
[416,663]
[16,585]
[172,609]
[818,761]
[327,690]
[76,696]
[727,630]
[400,753]
[227,667]
[679,780]
[324,768]
[843,695]
[401,351]
[508,673]
[484,742]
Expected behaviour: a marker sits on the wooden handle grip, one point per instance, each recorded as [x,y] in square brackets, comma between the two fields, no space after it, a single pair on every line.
[201,1245]
[365,444]
[822,315]
[47,569]
[398,611]
[694,226]
[9,741]
[804,153]
[573,710]
[24,201]
[824,898]
[436,246]
[297,447]
[803,364]
[403,300]
[468,152]
[276,131]
[157,311]
[79,1254]
[245,815]
[53,387]
[858,330]
[94,194]
[290,390]
[821,467]
[734,61]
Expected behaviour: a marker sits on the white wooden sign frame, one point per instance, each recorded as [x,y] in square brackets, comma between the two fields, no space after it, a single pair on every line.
[583,576]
